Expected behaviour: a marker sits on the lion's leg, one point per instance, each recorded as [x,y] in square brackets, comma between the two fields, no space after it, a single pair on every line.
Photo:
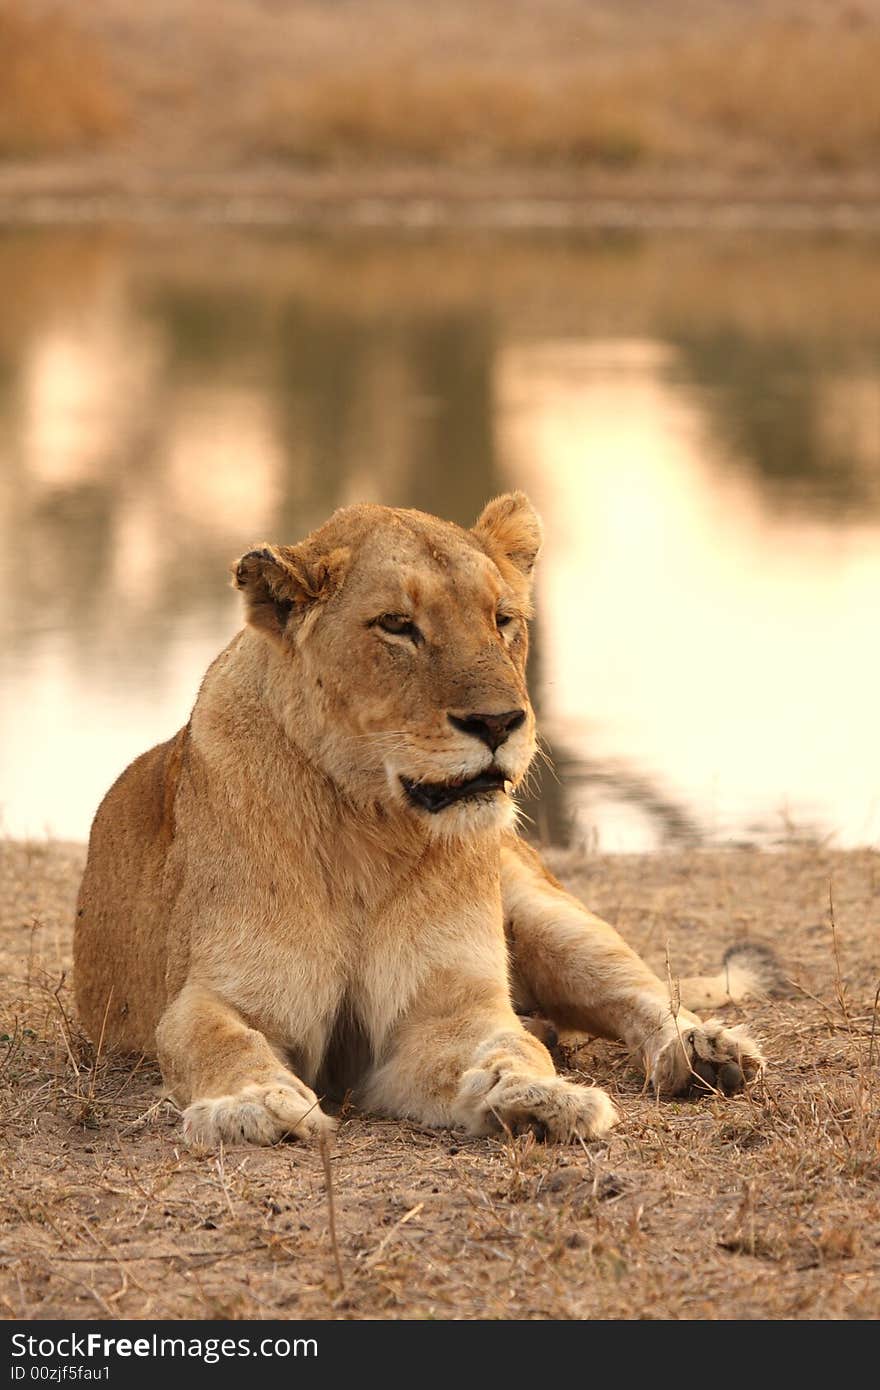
[462,1057]
[229,1078]
[580,973]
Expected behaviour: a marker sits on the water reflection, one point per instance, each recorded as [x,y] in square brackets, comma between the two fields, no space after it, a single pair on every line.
[804,416]
[722,651]
[699,423]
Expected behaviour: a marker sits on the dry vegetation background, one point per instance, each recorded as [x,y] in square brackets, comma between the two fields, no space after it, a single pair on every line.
[763,1206]
[113,93]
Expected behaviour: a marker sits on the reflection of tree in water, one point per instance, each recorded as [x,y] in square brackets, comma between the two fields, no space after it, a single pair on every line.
[68,532]
[319,362]
[205,331]
[764,396]
[454,471]
[321,366]
[8,378]
[542,799]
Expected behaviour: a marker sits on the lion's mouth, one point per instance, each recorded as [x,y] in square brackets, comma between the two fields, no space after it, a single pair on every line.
[436,796]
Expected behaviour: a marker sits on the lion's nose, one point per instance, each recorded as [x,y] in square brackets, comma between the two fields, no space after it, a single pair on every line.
[491,729]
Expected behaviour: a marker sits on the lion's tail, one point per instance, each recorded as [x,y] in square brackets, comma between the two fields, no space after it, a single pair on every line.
[749,970]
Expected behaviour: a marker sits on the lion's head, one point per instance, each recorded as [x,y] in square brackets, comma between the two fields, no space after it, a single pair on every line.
[397,653]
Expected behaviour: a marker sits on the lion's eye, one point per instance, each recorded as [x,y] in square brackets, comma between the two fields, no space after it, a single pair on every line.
[503,619]
[399,626]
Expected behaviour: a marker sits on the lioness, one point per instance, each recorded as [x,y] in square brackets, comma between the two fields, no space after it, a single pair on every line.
[317,884]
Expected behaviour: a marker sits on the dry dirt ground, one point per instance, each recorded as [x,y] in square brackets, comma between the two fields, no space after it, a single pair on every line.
[763,1206]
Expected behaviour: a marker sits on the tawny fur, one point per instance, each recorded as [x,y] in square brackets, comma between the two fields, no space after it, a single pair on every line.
[267,909]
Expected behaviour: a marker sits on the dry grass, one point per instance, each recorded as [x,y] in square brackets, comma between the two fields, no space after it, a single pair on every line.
[636,89]
[762,96]
[462,116]
[55,89]
[765,1206]
[785,92]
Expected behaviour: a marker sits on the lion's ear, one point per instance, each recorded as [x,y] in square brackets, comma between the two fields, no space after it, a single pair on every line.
[511,531]
[281,583]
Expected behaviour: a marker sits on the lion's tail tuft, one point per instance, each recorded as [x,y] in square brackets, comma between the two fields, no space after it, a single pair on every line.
[749,970]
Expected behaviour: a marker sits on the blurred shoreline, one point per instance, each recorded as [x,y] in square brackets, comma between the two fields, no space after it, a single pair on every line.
[408,200]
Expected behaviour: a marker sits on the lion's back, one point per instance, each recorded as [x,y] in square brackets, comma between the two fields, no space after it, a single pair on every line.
[121,955]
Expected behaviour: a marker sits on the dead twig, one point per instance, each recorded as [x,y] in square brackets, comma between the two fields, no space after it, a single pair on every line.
[331,1208]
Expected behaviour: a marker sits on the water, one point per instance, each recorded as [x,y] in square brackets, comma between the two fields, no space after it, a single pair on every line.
[698,420]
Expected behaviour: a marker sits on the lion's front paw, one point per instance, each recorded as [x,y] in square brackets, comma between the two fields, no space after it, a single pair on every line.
[258,1114]
[704,1057]
[551,1108]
